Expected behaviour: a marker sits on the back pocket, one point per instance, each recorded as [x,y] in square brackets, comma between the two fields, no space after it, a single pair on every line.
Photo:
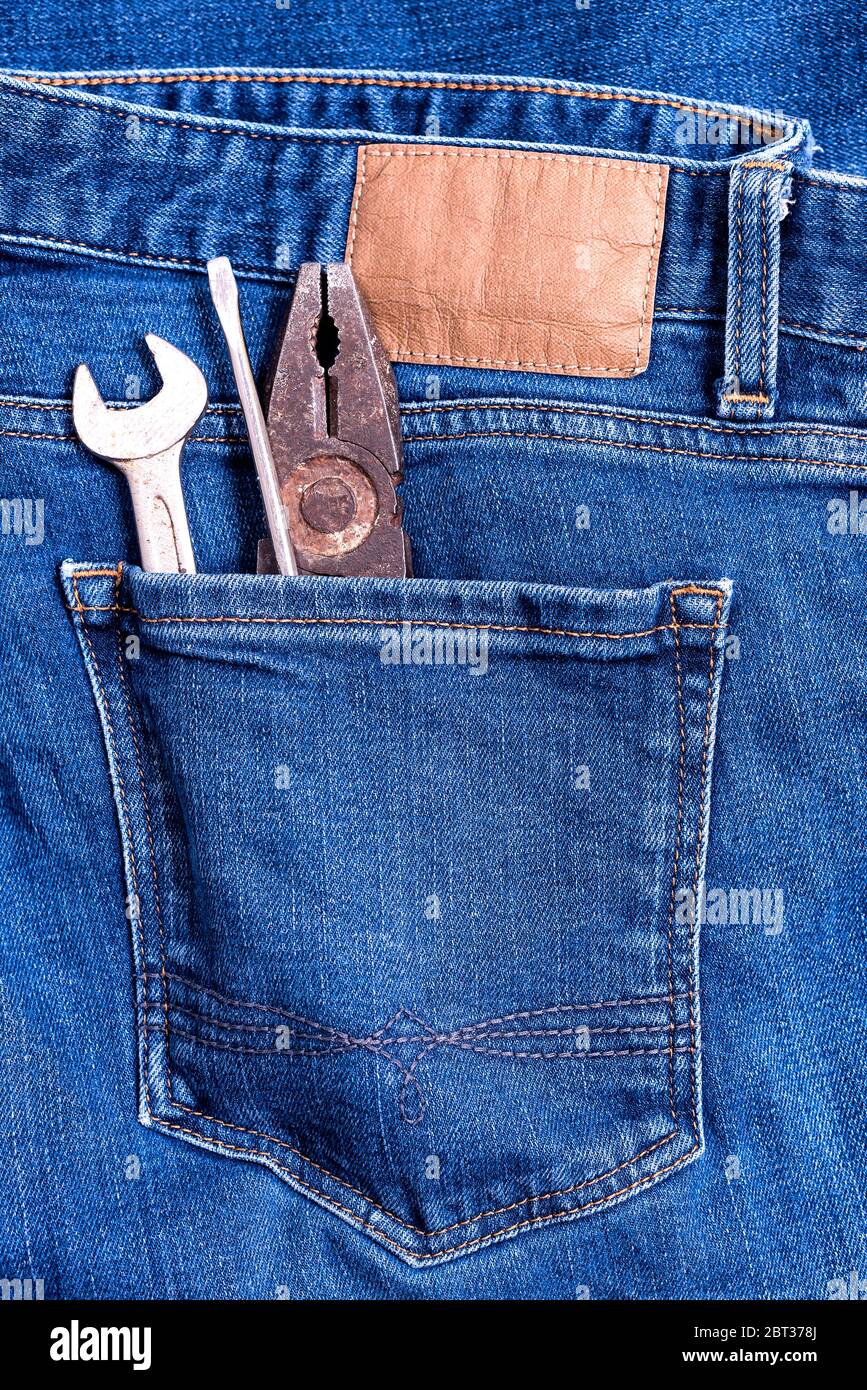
[409,873]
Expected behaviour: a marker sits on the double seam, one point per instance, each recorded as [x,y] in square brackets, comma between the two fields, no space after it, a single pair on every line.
[748,387]
[555,437]
[375,80]
[326,1198]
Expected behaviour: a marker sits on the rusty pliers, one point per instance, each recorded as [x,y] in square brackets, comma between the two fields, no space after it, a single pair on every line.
[334,427]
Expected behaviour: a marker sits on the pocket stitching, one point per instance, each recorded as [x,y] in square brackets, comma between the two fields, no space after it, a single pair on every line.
[159,1122]
[699,839]
[478,1037]
[677,834]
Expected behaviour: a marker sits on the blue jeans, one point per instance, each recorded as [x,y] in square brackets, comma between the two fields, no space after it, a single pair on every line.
[775,55]
[493,931]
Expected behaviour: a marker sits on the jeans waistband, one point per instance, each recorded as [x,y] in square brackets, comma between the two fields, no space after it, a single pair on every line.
[171,168]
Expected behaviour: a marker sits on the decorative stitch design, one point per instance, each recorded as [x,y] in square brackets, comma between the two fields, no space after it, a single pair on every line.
[307,1038]
[327,1198]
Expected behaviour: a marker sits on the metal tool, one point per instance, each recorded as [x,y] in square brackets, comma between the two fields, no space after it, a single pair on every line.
[334,427]
[145,442]
[224,293]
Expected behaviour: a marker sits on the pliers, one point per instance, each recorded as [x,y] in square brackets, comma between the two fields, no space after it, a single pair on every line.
[334,428]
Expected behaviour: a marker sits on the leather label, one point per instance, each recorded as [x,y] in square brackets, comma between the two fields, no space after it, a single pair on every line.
[508,259]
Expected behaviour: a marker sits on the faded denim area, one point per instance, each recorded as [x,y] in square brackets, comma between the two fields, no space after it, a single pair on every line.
[344,961]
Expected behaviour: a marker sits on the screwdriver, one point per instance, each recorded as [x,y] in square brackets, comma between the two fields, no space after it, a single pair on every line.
[224,293]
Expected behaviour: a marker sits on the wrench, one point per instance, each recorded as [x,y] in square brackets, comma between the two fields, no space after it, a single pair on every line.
[146,443]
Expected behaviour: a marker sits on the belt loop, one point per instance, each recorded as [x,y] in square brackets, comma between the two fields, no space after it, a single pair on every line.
[758,193]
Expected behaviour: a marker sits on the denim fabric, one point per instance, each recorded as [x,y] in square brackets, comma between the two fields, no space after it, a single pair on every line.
[340,959]
[371,852]
[791,55]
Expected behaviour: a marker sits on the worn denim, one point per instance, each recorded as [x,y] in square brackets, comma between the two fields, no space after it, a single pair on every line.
[492,933]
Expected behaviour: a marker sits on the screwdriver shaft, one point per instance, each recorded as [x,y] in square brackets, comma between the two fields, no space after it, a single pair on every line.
[224,293]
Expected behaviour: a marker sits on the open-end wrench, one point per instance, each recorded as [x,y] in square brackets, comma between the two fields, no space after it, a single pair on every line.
[145,442]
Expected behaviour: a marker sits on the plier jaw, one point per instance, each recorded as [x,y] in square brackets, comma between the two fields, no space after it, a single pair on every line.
[334,427]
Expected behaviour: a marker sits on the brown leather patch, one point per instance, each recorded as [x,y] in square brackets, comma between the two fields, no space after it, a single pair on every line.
[508,258]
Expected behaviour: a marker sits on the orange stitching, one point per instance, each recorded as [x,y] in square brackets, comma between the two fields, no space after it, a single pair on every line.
[700,835]
[553,407]
[417,1230]
[409,152]
[424,622]
[78,606]
[96,607]
[34,405]
[376,622]
[792,324]
[321,79]
[28,434]
[95,574]
[759,400]
[698,589]
[623,444]
[679,827]
[695,888]
[51,241]
[764,285]
[827,332]
[126,818]
[739,222]
[831,185]
[464,1245]
[764,164]
[161,1123]
[153,859]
